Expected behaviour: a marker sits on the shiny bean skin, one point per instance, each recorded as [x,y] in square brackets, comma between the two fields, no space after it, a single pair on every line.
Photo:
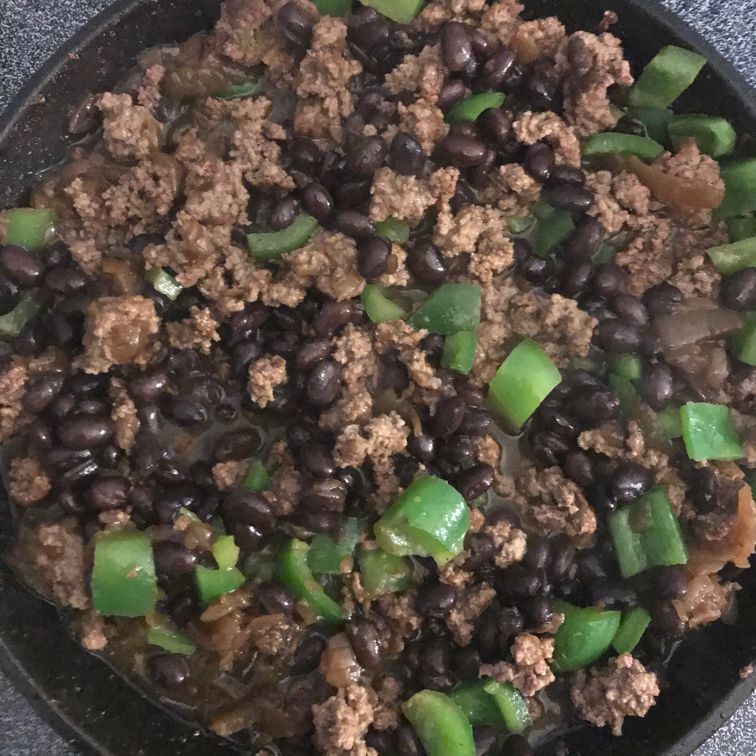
[617,337]
[173,559]
[324,383]
[497,125]
[657,386]
[738,291]
[539,161]
[435,599]
[237,444]
[452,92]
[245,507]
[275,598]
[449,416]
[573,199]
[475,481]
[294,24]
[354,224]
[423,447]
[463,151]
[584,242]
[311,352]
[331,317]
[283,213]
[41,391]
[456,46]
[608,279]
[406,155]
[365,641]
[372,258]
[109,492]
[629,481]
[325,495]
[630,309]
[85,431]
[318,202]
[495,70]
[567,175]
[148,387]
[426,264]
[368,157]
[22,266]
[661,299]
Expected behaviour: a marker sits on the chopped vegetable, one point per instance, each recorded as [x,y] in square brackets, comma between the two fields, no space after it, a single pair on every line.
[212,584]
[123,576]
[668,422]
[13,322]
[441,725]
[666,77]
[520,224]
[511,704]
[240,91]
[378,307]
[397,231]
[459,351]
[739,177]
[326,554]
[647,534]
[525,378]
[401,11]
[28,227]
[628,366]
[473,106]
[552,229]
[271,245]
[170,639]
[584,636]
[382,572]
[631,629]
[616,143]
[741,227]
[430,518]
[450,308]
[713,135]
[225,552]
[164,283]
[730,258]
[708,432]
[296,575]
[625,391]
[656,121]
[257,478]
[744,341]
[479,707]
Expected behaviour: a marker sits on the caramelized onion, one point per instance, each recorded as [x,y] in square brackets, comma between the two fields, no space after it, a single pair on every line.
[691,326]
[338,664]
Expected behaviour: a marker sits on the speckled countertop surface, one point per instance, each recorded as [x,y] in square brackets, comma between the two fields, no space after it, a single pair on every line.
[30,30]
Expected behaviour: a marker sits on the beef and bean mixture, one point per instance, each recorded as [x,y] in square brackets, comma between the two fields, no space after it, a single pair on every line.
[377,379]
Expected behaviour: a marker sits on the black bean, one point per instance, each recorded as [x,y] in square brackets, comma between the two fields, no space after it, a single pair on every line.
[406,156]
[705,490]
[738,291]
[608,279]
[245,507]
[669,582]
[496,69]
[661,299]
[367,157]
[475,481]
[321,521]
[456,46]
[434,664]
[579,468]
[464,194]
[148,387]
[317,459]
[39,435]
[518,581]
[657,386]
[612,594]
[628,125]
[616,337]
[66,280]
[573,199]
[324,383]
[541,86]
[311,352]
[509,621]
[237,444]
[186,412]
[426,264]
[539,161]
[548,448]
[170,671]
[576,278]
[630,309]
[667,619]
[275,598]
[354,224]
[373,258]
[407,743]
[517,745]
[630,481]
[331,317]
[496,123]
[9,295]
[294,24]
[538,554]
[476,422]
[562,557]
[596,407]
[481,548]
[84,384]
[41,391]
[567,175]
[283,213]
[365,641]
[85,431]
[449,415]
[463,151]
[22,266]
[305,154]
[317,201]
[109,492]
[537,611]
[458,450]
[452,92]
[535,269]
[584,242]
[325,495]
[173,559]
[307,656]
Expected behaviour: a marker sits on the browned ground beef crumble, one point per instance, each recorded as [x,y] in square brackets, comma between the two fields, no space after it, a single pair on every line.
[279,362]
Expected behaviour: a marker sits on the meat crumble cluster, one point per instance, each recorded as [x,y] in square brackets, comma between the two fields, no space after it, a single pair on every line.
[267,436]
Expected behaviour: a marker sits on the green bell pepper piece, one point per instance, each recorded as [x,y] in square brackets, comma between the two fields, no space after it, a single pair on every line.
[520,224]
[743,343]
[441,725]
[668,422]
[616,143]
[459,351]
[401,11]
[394,230]
[708,432]
[450,308]
[625,391]
[655,120]
[170,639]
[240,91]
[628,366]
[430,518]
[28,227]
[273,244]
[552,229]
[378,307]
[257,478]
[525,378]
[730,258]
[123,576]
[741,227]
[212,584]
[631,629]
[666,77]
[225,552]
[13,322]
[479,707]
[511,705]
[296,575]
[584,636]
[325,555]
[473,106]
[383,573]
[164,283]
[739,178]
[628,545]
[713,135]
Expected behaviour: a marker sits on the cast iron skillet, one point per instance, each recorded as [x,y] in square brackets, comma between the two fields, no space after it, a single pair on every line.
[77,692]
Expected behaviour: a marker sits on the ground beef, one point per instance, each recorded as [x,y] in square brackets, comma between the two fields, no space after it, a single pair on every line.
[123,414]
[93,631]
[342,722]
[408,197]
[530,671]
[386,713]
[539,38]
[118,331]
[631,194]
[509,542]
[275,635]
[696,276]
[12,385]
[228,475]
[215,191]
[530,128]
[382,437]
[28,481]
[424,121]
[502,18]
[285,482]
[130,132]
[423,73]
[489,451]
[470,604]
[265,374]
[649,258]
[50,558]
[199,331]
[518,191]
[553,504]
[400,335]
[707,599]
[622,689]
[398,610]
[590,65]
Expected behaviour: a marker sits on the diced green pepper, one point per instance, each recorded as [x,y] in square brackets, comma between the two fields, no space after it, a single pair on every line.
[666,77]
[378,307]
[123,576]
[450,308]
[525,378]
[333,7]
[739,178]
[479,707]
[164,283]
[713,135]
[397,231]
[616,143]
[520,224]
[13,322]
[552,229]
[212,584]
[744,341]
[27,227]
[225,552]
[628,545]
[257,478]
[240,91]
[708,432]
[730,258]
[383,573]
[441,725]
[401,11]
[741,227]
[296,575]
[273,244]
[584,636]
[625,391]
[170,639]
[325,554]
[668,421]
[471,107]
[628,366]
[511,705]
[430,518]
[656,121]
[631,629]
[459,351]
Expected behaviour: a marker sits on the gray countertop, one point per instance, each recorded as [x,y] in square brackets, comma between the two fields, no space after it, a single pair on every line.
[30,30]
